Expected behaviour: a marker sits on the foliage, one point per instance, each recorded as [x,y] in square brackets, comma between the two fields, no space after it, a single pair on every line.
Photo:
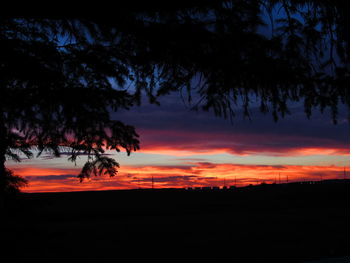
[58,97]
[13,182]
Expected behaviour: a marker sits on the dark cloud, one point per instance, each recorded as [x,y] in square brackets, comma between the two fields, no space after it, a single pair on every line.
[206,165]
[237,143]
[62,177]
[190,160]
[166,167]
[173,125]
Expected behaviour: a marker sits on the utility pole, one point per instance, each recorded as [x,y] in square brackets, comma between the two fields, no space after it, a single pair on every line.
[152,182]
[344,173]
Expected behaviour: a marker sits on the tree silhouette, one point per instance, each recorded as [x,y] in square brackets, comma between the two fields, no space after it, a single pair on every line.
[61,77]
[57,94]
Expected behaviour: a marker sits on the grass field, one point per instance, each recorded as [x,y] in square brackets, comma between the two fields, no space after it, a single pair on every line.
[267,223]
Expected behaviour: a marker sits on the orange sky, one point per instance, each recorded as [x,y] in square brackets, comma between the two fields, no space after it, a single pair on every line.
[182,148]
[193,174]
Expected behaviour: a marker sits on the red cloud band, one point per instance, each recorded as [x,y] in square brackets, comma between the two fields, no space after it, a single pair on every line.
[196,174]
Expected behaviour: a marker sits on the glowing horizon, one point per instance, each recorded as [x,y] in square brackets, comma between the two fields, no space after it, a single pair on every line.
[182,148]
[186,172]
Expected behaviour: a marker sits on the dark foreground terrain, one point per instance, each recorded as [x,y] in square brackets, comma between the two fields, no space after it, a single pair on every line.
[267,223]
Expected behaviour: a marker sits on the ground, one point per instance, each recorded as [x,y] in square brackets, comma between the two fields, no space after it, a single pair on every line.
[267,223]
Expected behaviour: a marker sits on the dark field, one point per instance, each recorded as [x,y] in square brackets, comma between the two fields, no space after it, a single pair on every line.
[271,223]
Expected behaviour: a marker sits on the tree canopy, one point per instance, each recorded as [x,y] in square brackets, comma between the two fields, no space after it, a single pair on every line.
[62,76]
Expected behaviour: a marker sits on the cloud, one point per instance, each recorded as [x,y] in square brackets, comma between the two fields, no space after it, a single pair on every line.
[182,143]
[51,177]
[194,174]
[35,171]
[174,129]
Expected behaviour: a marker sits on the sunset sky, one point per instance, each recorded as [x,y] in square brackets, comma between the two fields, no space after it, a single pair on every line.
[184,148]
